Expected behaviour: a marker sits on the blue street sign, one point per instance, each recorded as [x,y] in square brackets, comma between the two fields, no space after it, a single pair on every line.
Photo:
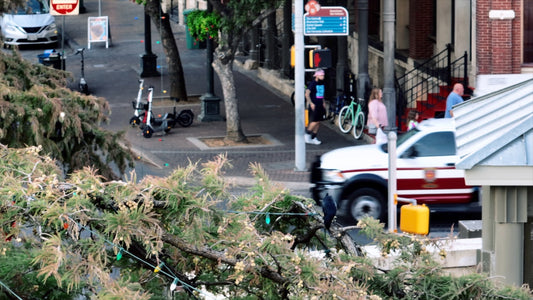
[328,20]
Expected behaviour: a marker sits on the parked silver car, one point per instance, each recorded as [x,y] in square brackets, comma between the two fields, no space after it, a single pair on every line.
[29,25]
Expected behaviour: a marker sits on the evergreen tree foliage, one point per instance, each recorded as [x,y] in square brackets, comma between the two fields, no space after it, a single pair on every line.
[87,237]
[38,109]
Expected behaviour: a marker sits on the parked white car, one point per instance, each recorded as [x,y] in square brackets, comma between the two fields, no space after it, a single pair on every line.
[29,25]
[356,177]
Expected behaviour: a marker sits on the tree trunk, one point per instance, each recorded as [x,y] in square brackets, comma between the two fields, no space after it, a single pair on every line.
[223,65]
[178,89]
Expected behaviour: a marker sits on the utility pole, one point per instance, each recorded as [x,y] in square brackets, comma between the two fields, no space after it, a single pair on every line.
[342,56]
[389,92]
[287,37]
[363,81]
[299,86]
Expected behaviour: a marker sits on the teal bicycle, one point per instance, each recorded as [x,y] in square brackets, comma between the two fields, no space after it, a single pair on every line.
[351,117]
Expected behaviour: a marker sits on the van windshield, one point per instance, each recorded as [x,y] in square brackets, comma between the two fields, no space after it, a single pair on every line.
[33,7]
[401,139]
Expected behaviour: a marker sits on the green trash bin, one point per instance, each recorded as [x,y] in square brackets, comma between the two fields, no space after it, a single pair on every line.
[191,42]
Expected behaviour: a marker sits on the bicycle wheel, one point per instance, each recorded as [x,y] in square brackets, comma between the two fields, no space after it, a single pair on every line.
[345,119]
[359,125]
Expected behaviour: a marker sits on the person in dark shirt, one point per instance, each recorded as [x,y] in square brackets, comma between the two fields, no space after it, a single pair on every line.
[314,96]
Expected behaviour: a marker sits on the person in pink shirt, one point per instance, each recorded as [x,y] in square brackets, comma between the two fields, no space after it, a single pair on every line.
[377,114]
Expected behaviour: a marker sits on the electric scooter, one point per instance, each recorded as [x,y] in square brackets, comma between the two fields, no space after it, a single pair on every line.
[184,118]
[84,88]
[151,124]
[138,107]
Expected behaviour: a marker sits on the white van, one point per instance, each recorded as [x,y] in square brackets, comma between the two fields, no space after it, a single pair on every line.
[356,177]
[29,25]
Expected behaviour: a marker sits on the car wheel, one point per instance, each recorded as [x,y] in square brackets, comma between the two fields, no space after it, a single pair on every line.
[367,202]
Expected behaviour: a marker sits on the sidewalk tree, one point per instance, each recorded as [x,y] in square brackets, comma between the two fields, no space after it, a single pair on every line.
[37,109]
[88,238]
[152,8]
[236,19]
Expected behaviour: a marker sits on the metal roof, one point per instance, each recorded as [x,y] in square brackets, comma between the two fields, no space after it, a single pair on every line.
[496,129]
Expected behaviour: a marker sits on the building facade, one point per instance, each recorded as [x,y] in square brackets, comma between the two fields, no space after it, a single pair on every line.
[476,36]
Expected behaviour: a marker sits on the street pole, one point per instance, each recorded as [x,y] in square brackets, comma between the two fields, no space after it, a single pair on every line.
[209,57]
[62,57]
[392,182]
[363,80]
[149,59]
[287,37]
[299,86]
[389,93]
[389,98]
[210,102]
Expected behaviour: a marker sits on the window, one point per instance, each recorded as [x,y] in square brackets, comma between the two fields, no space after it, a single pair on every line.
[435,144]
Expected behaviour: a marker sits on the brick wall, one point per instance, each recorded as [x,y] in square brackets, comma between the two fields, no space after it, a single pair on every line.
[420,25]
[498,41]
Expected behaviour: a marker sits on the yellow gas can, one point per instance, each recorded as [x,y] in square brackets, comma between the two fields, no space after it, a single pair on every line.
[414,219]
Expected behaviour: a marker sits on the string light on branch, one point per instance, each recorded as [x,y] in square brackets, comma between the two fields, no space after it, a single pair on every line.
[119,254]
[267,214]
[271,213]
[174,284]
[122,251]
[158,268]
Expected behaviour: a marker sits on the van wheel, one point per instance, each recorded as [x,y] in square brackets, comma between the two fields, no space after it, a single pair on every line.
[367,202]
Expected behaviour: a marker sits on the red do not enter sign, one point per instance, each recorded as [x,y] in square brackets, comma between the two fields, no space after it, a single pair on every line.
[64,7]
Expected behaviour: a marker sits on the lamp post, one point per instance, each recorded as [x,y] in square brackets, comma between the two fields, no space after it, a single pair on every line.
[389,92]
[363,80]
[299,88]
[210,102]
[148,59]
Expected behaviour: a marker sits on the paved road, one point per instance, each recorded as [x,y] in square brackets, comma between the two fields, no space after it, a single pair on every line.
[113,73]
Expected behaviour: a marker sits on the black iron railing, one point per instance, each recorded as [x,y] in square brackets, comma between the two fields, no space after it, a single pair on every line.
[421,87]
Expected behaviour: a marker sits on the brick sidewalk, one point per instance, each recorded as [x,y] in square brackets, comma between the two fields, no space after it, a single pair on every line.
[112,73]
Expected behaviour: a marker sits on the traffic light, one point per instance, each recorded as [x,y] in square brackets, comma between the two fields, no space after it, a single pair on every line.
[320,58]
[293,56]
